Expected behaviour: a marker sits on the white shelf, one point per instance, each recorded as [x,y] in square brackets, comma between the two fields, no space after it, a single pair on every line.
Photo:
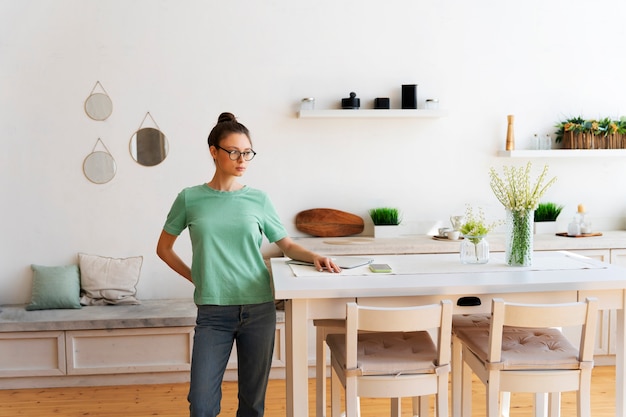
[370,113]
[563,153]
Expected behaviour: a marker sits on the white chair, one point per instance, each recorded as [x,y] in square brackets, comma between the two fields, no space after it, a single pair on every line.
[387,352]
[461,321]
[524,350]
[324,327]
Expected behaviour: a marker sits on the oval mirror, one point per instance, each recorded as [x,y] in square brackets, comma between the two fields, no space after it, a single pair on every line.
[98,106]
[149,146]
[99,167]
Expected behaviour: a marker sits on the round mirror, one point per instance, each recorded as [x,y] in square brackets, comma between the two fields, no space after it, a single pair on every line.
[98,106]
[99,167]
[148,146]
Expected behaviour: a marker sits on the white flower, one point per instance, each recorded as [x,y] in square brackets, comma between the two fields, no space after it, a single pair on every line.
[515,191]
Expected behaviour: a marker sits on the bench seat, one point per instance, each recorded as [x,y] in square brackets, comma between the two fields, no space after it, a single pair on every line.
[106,345]
[150,313]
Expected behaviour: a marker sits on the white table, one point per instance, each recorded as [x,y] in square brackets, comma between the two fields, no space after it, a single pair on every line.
[554,277]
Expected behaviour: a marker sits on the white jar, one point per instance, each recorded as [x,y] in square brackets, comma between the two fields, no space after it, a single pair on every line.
[573,229]
[307,103]
[432,104]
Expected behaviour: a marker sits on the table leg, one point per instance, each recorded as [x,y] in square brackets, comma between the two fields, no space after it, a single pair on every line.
[297,370]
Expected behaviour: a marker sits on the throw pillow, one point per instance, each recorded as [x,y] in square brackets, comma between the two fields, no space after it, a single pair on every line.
[109,280]
[55,287]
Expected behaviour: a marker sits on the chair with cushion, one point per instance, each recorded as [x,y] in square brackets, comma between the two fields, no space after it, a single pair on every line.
[471,320]
[324,327]
[388,352]
[524,350]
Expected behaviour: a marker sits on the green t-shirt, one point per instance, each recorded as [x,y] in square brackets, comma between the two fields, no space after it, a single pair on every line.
[226,230]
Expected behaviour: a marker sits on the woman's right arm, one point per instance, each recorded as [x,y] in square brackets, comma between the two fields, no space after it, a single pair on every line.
[165,251]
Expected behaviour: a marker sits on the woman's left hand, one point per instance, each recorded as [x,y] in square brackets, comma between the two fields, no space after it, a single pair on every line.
[324,263]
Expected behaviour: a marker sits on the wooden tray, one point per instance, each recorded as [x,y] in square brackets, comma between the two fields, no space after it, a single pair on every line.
[564,234]
[325,222]
[445,238]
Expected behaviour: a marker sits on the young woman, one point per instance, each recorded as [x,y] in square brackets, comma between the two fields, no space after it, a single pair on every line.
[227,221]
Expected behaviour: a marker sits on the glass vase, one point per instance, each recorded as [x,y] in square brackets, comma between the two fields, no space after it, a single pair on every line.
[519,237]
[474,250]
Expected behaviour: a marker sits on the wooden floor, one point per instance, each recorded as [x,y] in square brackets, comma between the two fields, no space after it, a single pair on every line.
[170,400]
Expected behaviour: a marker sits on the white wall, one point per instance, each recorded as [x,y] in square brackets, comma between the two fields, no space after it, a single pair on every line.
[187,61]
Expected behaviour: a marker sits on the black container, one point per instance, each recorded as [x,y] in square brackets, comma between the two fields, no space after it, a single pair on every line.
[351,103]
[409,96]
[381,103]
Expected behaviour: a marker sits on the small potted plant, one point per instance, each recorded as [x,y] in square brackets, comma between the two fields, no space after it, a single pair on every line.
[386,221]
[474,247]
[545,217]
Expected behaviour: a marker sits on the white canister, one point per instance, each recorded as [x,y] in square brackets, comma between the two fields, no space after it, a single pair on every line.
[432,104]
[307,103]
[573,229]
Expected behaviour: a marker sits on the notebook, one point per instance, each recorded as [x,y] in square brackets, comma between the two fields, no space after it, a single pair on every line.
[344,262]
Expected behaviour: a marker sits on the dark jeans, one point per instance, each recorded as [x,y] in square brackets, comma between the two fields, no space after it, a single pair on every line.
[253,328]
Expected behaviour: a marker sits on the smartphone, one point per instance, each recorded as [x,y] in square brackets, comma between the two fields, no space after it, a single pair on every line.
[380,268]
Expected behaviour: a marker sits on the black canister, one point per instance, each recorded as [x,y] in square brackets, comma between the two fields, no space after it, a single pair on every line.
[351,103]
[381,103]
[409,96]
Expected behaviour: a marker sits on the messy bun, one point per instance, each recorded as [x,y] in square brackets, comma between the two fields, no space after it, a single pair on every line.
[226,117]
[226,124]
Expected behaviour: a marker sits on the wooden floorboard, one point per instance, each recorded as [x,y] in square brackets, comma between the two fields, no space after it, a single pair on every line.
[170,400]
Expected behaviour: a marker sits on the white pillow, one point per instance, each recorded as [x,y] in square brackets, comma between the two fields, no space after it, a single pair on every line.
[106,280]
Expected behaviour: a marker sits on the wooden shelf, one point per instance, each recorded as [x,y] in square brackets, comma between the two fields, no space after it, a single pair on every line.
[370,113]
[563,153]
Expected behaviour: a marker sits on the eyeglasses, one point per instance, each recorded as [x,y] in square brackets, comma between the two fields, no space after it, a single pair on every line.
[235,155]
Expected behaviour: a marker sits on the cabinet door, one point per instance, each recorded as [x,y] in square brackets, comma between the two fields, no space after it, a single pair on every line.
[603,255]
[32,354]
[603,328]
[618,257]
[158,349]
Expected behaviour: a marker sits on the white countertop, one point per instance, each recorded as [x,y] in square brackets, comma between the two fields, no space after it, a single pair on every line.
[358,245]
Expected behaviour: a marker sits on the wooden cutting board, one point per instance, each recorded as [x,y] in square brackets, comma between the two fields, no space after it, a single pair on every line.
[325,222]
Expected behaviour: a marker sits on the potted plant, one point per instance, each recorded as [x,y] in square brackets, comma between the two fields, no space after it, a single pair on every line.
[603,133]
[386,221]
[545,217]
[474,247]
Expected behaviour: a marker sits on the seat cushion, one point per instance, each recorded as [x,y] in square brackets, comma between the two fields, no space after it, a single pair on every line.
[470,320]
[391,353]
[523,348]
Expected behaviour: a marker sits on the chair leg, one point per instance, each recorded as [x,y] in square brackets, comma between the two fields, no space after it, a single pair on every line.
[493,394]
[457,369]
[554,404]
[541,406]
[335,394]
[441,398]
[505,403]
[583,396]
[396,407]
[466,390]
[320,372]
[352,400]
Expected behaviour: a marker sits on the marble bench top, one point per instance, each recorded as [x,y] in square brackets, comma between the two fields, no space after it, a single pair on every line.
[150,313]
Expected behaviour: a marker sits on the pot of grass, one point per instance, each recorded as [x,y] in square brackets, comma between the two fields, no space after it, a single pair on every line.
[386,221]
[545,217]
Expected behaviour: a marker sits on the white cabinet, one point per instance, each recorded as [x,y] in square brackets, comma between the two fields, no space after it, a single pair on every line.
[606,327]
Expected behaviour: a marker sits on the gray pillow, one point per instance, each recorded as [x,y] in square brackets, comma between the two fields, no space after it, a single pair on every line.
[106,280]
[55,287]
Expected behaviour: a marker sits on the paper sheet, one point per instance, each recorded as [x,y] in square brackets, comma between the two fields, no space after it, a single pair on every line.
[433,264]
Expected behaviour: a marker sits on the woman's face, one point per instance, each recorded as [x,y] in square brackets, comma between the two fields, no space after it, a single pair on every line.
[232,142]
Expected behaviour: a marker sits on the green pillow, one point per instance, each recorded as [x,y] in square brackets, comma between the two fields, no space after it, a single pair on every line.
[55,287]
